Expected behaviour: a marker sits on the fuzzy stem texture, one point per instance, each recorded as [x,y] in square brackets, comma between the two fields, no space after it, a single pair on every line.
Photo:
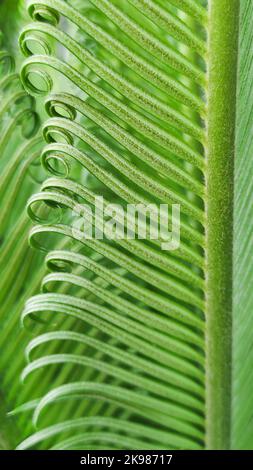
[221,110]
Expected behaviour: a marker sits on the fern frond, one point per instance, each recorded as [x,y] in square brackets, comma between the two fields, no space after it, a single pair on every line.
[21,273]
[130,127]
[133,344]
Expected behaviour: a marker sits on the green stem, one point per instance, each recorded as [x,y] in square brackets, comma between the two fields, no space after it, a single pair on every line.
[221,106]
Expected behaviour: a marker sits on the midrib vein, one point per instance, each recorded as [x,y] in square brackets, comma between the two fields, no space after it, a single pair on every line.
[223,26]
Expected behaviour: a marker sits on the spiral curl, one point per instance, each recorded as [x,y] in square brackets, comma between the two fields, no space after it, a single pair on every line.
[126,122]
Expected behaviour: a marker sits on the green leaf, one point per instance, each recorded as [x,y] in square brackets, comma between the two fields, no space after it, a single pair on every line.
[21,271]
[242,293]
[131,346]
